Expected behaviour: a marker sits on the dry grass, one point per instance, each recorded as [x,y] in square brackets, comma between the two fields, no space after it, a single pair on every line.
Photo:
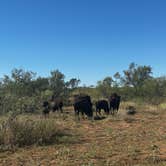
[122,140]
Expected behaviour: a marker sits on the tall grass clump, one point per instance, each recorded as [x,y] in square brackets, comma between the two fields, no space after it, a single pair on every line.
[20,132]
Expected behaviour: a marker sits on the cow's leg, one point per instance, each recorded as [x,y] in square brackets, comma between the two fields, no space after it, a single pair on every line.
[106,111]
[45,112]
[110,110]
[77,115]
[61,109]
[82,113]
[114,110]
[100,111]
[117,110]
[96,111]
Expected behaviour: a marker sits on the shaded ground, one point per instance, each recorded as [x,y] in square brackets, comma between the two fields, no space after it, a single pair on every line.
[121,140]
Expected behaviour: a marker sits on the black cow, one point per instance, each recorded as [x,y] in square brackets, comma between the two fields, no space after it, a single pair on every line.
[102,104]
[114,103]
[83,104]
[56,104]
[46,108]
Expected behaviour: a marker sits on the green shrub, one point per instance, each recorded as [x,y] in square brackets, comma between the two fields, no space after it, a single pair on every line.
[20,104]
[162,106]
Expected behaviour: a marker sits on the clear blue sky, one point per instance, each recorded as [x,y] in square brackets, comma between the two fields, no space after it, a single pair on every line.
[89,39]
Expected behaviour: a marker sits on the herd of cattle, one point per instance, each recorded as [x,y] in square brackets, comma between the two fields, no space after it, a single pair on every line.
[82,104]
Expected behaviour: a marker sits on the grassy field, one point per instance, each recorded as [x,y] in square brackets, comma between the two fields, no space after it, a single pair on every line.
[122,140]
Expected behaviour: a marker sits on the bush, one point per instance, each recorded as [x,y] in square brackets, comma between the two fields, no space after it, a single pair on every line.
[162,106]
[20,104]
[22,132]
[131,110]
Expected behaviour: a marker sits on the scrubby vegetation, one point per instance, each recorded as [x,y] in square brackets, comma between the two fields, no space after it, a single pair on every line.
[124,139]
[23,91]
[22,131]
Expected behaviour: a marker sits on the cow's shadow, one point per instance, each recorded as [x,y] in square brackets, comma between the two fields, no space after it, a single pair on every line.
[99,117]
